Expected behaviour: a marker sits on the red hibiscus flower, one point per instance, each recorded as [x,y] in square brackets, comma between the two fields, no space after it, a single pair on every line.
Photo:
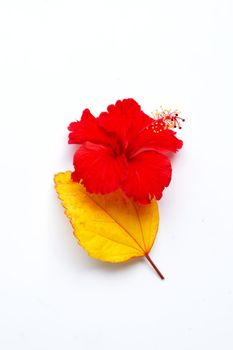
[125,148]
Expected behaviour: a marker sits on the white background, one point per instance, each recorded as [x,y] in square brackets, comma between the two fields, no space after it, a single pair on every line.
[57,58]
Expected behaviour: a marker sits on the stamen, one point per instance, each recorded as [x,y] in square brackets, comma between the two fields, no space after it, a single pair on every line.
[166,119]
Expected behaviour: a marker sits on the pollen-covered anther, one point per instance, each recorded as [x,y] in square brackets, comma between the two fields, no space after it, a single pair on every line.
[167,119]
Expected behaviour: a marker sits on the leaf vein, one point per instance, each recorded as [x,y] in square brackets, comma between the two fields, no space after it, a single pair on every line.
[101,207]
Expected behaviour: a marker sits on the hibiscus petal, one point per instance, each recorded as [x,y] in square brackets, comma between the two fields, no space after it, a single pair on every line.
[87,129]
[125,119]
[148,174]
[164,141]
[98,169]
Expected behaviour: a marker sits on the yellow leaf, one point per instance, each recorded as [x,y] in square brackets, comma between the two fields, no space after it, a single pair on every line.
[109,227]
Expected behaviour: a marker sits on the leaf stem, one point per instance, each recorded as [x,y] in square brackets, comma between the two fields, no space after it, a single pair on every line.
[154,266]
